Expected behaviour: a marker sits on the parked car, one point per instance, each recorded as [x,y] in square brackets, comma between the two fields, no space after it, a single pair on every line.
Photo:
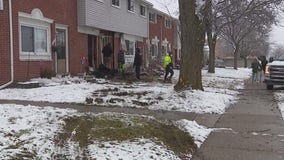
[274,73]
[219,63]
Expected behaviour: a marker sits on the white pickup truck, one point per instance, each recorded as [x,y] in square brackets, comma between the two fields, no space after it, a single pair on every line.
[274,73]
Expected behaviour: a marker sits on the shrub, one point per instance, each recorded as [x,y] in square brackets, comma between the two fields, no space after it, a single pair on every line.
[46,73]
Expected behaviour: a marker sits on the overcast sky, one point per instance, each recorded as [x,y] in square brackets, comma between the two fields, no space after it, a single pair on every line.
[277,34]
[165,5]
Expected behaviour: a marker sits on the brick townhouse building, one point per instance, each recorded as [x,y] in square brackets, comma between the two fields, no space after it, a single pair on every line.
[163,36]
[58,35]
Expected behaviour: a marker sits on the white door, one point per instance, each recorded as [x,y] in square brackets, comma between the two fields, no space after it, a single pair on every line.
[62,51]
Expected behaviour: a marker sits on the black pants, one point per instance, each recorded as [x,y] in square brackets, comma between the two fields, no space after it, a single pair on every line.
[168,70]
[137,71]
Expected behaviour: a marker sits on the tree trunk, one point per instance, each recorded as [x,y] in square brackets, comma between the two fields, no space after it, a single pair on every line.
[245,61]
[236,52]
[212,46]
[192,43]
[211,39]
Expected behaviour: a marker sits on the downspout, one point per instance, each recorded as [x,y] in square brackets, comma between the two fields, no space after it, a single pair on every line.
[11,46]
[148,46]
[161,40]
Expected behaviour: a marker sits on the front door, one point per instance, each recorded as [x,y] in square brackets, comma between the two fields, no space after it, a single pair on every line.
[61,39]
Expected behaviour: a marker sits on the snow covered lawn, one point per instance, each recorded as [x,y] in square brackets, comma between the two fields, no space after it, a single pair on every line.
[30,132]
[33,132]
[220,90]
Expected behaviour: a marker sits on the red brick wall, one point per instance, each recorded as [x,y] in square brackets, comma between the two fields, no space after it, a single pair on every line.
[4,45]
[158,29]
[62,12]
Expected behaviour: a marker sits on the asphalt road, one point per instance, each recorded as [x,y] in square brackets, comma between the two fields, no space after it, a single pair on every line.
[252,129]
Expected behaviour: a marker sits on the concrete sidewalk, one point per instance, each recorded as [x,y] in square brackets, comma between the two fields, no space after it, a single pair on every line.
[257,129]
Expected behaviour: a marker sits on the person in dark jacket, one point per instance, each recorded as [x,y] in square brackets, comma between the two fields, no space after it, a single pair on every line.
[107,52]
[137,62]
[263,63]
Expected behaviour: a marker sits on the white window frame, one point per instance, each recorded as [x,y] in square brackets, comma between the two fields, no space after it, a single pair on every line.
[154,15]
[142,6]
[1,5]
[130,4]
[36,21]
[168,23]
[132,51]
[155,41]
[114,4]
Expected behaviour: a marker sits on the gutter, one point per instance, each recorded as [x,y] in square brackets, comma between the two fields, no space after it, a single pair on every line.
[11,47]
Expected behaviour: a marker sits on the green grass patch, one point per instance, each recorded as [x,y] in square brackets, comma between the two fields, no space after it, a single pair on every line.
[88,129]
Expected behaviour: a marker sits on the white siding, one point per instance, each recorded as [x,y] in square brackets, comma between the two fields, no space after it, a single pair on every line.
[103,15]
[1,5]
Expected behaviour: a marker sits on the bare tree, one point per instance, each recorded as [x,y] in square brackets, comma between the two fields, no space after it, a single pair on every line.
[255,44]
[225,18]
[277,51]
[192,43]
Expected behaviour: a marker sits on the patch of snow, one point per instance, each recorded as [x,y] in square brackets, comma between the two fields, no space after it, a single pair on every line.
[198,132]
[29,128]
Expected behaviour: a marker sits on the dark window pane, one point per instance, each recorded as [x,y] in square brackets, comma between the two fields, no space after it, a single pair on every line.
[61,43]
[115,2]
[27,39]
[130,5]
[142,11]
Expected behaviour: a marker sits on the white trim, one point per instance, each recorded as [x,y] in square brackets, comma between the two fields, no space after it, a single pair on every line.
[131,11]
[64,27]
[132,37]
[88,30]
[1,5]
[36,15]
[35,20]
[144,16]
[165,42]
[168,22]
[115,6]
[154,16]
[155,40]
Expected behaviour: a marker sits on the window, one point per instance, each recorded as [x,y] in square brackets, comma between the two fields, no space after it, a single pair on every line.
[168,23]
[130,47]
[33,39]
[34,42]
[106,40]
[152,17]
[154,49]
[143,11]
[115,3]
[1,5]
[130,5]
[34,36]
